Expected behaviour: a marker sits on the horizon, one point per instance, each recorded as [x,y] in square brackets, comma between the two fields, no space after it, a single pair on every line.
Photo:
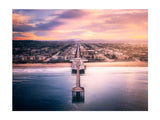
[93,41]
[128,25]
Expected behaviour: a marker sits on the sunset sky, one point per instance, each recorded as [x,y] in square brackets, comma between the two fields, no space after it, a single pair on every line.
[86,24]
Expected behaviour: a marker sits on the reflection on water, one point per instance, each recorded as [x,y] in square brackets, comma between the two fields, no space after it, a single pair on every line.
[106,88]
[78,91]
[78,97]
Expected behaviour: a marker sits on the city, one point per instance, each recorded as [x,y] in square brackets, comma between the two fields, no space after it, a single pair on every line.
[64,51]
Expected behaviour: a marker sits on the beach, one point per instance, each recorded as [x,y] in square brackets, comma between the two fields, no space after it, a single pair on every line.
[89,64]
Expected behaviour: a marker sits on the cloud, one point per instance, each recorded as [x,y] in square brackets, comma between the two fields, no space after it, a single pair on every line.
[15,35]
[48,26]
[42,33]
[69,14]
[119,20]
[76,33]
[22,28]
[102,27]
[136,18]
[31,20]
[26,36]
[83,24]
[18,19]
[39,27]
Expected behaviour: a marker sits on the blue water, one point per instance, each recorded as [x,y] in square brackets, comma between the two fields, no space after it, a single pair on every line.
[106,89]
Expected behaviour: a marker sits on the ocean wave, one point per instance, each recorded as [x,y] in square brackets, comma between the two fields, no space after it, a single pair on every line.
[40,70]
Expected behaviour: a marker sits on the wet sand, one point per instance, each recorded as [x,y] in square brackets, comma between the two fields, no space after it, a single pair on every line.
[90,64]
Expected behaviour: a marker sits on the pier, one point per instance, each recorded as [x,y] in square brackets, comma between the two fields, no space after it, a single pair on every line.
[78,66]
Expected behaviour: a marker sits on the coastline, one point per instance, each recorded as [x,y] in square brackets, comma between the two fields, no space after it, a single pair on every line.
[90,64]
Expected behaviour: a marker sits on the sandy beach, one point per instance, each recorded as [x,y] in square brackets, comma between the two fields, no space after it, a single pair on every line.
[91,64]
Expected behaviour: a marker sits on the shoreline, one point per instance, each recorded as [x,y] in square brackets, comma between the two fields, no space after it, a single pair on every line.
[90,64]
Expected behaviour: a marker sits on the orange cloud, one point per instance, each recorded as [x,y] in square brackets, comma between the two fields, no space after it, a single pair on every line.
[20,19]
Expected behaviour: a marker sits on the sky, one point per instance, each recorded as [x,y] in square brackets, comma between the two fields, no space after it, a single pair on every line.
[85,24]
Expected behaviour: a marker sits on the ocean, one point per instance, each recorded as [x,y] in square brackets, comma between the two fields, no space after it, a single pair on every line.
[105,89]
